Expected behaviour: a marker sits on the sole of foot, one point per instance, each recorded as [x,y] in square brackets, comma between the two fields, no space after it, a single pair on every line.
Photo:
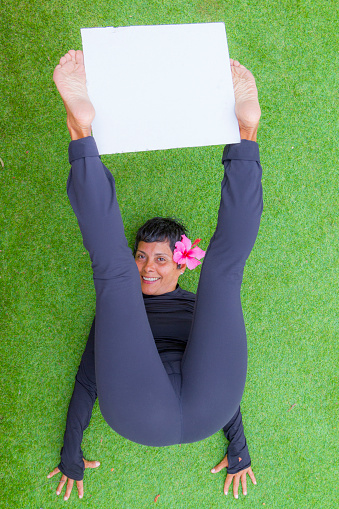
[247,108]
[70,79]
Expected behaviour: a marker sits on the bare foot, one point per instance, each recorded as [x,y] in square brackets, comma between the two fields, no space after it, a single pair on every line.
[247,107]
[70,79]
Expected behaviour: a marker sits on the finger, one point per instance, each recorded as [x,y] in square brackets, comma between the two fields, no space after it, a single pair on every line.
[250,473]
[220,466]
[236,485]
[55,471]
[69,489]
[80,486]
[91,464]
[243,484]
[229,479]
[61,484]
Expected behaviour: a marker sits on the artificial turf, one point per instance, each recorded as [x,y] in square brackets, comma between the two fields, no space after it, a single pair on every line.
[290,285]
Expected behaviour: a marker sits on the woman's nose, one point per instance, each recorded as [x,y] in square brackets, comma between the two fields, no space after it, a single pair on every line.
[149,266]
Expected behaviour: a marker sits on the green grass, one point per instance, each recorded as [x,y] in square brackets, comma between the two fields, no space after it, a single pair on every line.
[290,286]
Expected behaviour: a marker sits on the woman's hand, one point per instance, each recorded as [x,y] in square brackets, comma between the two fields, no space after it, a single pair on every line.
[70,482]
[236,478]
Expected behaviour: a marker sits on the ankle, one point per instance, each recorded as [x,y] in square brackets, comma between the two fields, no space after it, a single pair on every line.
[77,132]
[248,133]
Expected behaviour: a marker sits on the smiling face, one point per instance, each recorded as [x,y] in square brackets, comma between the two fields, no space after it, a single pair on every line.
[158,272]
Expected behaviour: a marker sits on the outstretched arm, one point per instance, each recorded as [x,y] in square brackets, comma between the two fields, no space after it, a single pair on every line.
[79,413]
[72,464]
[237,451]
[237,460]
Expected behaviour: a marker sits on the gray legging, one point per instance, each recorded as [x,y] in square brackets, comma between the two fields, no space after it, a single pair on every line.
[136,396]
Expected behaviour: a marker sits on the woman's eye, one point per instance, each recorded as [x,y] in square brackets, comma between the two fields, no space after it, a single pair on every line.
[161,259]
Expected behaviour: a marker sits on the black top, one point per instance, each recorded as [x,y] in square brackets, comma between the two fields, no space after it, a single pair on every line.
[170,317]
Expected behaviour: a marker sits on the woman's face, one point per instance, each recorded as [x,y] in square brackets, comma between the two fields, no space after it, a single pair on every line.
[158,272]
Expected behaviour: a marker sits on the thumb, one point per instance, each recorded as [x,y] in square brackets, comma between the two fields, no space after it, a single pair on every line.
[91,464]
[220,466]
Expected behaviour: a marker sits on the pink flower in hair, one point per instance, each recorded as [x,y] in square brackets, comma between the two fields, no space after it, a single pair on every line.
[185,252]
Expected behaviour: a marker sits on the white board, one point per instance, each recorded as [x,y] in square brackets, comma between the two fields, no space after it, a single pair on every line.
[160,87]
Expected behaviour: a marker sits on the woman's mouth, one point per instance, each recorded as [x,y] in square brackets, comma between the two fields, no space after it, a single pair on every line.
[150,279]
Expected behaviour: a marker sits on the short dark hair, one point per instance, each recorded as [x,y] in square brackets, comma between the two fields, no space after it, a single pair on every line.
[160,229]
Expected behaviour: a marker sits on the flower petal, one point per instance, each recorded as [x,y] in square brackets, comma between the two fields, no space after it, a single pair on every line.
[192,263]
[197,253]
[187,243]
[178,257]
[179,246]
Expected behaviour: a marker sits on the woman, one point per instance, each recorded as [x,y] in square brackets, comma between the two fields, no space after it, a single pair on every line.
[188,392]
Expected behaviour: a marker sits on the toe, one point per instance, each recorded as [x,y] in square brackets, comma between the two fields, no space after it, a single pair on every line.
[63,60]
[72,54]
[79,57]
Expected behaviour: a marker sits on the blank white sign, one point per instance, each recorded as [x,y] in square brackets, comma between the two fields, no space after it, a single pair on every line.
[160,87]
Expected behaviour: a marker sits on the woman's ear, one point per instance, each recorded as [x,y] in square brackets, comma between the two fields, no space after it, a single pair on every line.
[181,267]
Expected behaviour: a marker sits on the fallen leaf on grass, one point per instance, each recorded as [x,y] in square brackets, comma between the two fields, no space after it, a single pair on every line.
[112,469]
[156,498]
[2,163]
[291,407]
